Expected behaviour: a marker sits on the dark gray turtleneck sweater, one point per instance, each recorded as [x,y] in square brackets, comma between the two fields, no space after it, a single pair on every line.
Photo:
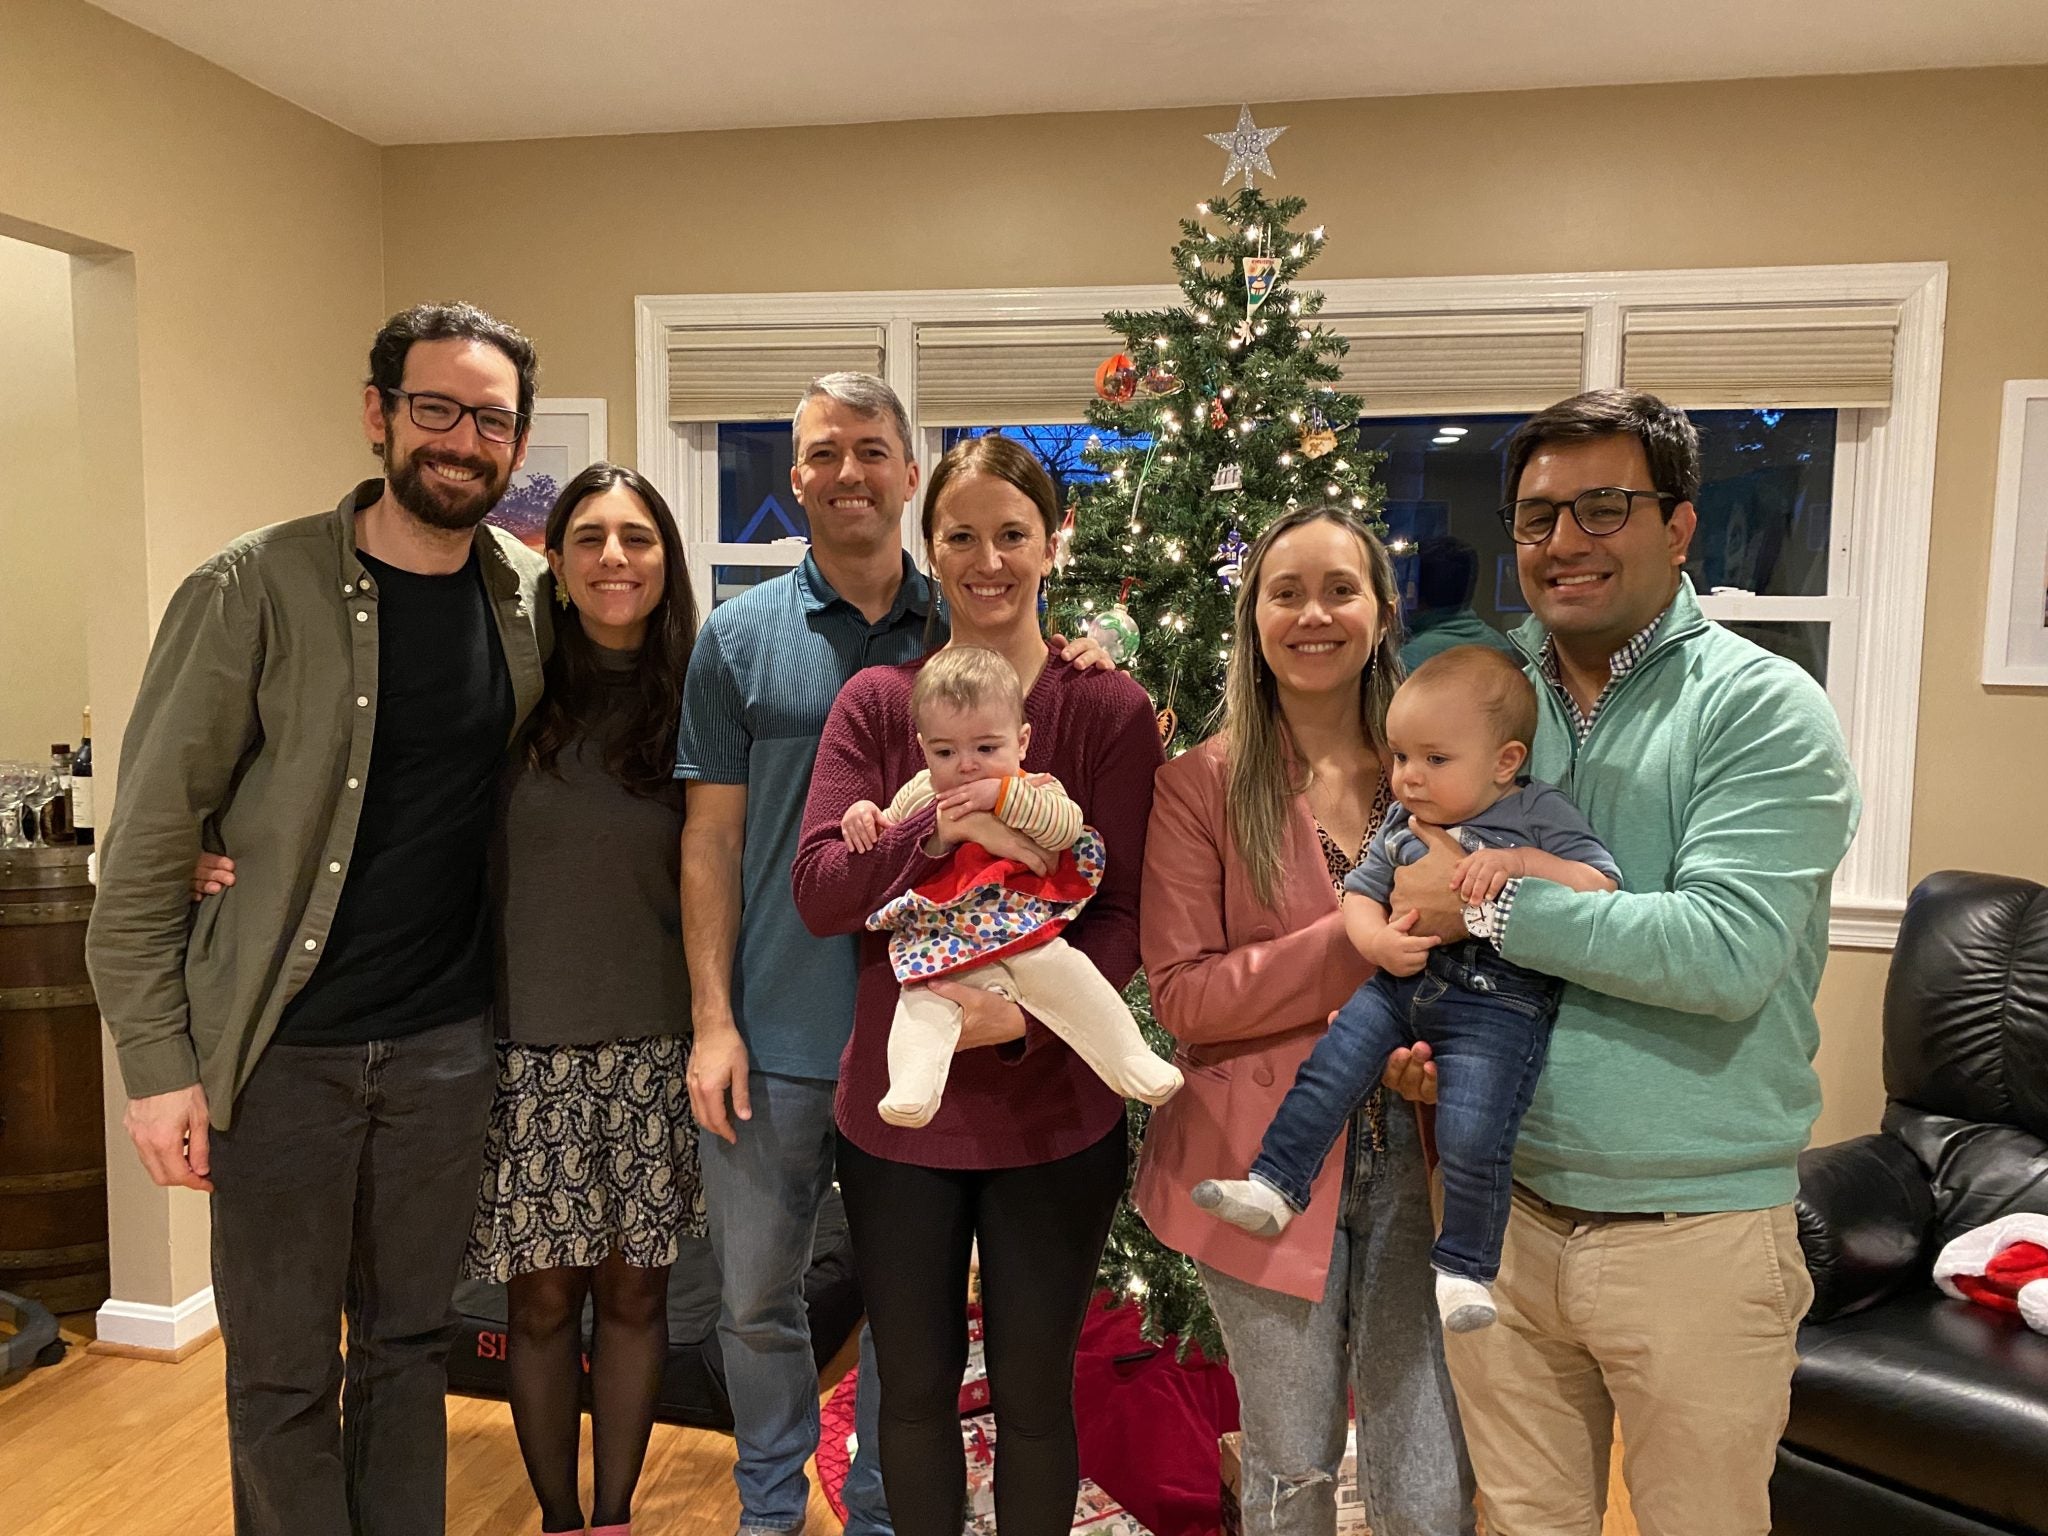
[584,877]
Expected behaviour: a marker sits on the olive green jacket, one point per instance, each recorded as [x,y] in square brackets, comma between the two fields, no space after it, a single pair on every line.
[251,732]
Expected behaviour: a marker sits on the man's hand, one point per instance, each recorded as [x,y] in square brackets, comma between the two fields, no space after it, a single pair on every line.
[1398,951]
[1083,653]
[1411,1073]
[1424,887]
[1479,876]
[862,825]
[212,873]
[981,795]
[718,1065]
[169,1132]
[986,1018]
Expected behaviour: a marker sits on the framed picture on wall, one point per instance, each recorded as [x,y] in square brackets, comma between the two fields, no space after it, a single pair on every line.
[566,438]
[2016,608]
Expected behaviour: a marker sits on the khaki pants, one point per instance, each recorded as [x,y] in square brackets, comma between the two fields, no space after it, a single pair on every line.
[1682,1326]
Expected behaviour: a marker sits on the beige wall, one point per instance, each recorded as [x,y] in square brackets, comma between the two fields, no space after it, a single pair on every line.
[229,277]
[235,253]
[44,557]
[561,234]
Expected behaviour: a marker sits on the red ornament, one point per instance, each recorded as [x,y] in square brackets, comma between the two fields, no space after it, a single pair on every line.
[1116,380]
[1219,418]
[1160,379]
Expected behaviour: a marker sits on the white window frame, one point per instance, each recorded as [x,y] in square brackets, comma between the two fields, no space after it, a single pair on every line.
[1883,509]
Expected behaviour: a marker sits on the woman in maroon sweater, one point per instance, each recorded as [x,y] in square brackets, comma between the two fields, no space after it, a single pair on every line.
[1027,1152]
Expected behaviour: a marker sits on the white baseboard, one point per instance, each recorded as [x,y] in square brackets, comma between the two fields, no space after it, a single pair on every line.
[1864,923]
[169,1330]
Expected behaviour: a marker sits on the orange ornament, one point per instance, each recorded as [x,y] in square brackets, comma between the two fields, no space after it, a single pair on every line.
[1116,380]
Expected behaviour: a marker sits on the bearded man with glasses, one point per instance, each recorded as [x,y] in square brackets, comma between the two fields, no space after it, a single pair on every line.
[1652,1269]
[332,700]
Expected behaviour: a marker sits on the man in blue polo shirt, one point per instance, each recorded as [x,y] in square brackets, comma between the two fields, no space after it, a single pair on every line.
[772,1005]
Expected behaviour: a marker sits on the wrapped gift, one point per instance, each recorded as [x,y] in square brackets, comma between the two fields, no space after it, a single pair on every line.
[1351,1519]
[974,1382]
[1095,1512]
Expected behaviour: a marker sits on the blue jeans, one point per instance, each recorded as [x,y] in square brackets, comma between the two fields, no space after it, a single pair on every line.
[1488,1026]
[1374,1332]
[762,1198]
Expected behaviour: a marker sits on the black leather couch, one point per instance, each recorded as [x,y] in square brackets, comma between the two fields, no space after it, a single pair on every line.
[1912,1412]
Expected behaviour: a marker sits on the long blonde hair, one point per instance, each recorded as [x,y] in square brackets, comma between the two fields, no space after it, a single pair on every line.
[1266,772]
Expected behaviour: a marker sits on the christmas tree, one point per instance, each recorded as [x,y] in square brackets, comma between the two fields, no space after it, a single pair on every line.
[1226,412]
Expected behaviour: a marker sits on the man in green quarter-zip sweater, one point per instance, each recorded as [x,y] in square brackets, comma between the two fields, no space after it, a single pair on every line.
[1652,1268]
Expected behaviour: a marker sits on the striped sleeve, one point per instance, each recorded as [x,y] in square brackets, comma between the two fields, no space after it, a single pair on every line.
[1038,807]
[912,797]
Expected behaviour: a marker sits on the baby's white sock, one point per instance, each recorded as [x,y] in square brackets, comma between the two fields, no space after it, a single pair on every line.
[1257,1207]
[1463,1304]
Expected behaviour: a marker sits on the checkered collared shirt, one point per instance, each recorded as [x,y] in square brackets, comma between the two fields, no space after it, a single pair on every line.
[1619,665]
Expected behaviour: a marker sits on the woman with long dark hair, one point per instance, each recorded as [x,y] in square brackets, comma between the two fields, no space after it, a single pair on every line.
[590,1170]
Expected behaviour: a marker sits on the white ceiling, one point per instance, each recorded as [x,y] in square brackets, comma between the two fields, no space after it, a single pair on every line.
[434,71]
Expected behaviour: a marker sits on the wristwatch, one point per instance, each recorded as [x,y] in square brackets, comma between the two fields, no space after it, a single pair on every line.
[1480,920]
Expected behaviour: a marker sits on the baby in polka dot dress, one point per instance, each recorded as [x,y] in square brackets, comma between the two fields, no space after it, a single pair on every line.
[992,917]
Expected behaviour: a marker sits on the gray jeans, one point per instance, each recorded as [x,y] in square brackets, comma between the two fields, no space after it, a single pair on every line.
[347,1184]
[1375,1329]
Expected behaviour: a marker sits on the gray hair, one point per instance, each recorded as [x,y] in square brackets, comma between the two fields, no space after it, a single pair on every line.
[862,393]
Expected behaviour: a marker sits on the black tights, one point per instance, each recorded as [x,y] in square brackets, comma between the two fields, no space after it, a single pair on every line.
[1041,1231]
[544,1318]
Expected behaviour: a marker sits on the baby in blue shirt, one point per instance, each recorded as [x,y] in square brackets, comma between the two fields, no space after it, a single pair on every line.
[1458,732]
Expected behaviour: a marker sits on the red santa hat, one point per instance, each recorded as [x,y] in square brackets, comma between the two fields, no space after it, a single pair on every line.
[2003,1264]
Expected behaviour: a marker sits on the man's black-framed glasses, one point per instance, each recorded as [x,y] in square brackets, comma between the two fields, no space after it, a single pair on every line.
[437,413]
[1600,511]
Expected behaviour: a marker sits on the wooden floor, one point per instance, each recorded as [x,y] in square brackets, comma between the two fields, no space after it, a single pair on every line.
[104,1446]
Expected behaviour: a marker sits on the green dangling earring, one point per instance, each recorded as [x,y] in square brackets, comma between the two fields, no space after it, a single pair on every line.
[562,597]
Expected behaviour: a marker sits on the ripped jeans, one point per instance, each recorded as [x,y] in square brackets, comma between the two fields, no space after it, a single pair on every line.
[1375,1331]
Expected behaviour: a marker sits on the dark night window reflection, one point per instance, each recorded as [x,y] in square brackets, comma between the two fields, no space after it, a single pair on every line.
[755,504]
[1058,447]
[1765,509]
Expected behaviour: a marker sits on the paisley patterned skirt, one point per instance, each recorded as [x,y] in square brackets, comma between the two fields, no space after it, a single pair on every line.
[591,1150]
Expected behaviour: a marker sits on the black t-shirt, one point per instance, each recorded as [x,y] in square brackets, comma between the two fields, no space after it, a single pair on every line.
[410,944]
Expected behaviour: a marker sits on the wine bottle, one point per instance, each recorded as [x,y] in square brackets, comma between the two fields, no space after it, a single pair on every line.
[81,785]
[54,821]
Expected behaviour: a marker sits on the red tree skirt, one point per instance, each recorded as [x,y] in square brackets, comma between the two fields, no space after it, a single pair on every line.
[1148,1426]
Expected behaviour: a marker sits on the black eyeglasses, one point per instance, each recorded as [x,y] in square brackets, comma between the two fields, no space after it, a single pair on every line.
[437,413]
[1600,511]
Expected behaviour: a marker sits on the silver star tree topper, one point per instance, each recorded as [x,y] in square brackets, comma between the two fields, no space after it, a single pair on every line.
[1247,145]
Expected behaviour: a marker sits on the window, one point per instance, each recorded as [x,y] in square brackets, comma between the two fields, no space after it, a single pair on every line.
[755,507]
[1060,448]
[1767,530]
[1815,388]
[738,516]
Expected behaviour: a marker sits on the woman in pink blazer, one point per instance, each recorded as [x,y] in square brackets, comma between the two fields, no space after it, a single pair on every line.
[1252,833]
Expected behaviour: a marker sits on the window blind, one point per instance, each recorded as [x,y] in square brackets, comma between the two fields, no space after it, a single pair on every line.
[1015,374]
[1408,365]
[759,373]
[1828,356]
